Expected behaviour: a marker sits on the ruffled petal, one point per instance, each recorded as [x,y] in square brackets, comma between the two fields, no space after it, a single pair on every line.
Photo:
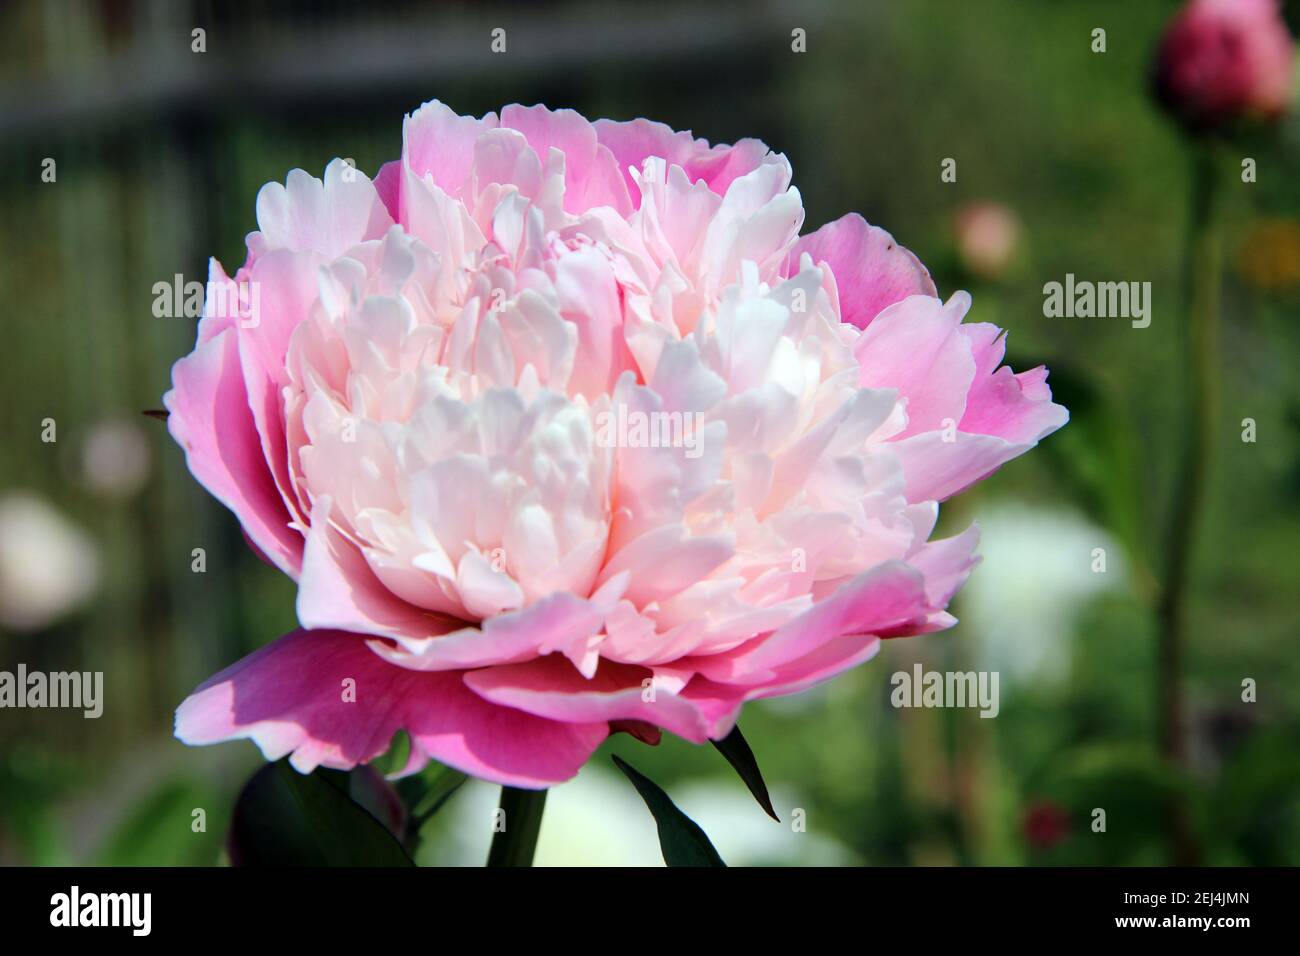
[632,143]
[322,699]
[871,270]
[552,687]
[328,216]
[211,420]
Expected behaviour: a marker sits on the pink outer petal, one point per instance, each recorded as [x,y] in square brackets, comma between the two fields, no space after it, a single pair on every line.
[438,141]
[888,598]
[288,284]
[267,406]
[591,173]
[935,469]
[552,687]
[221,312]
[211,420]
[1017,407]
[946,564]
[559,622]
[965,419]
[916,346]
[720,166]
[871,270]
[288,698]
[218,314]
[1003,420]
[388,184]
[833,657]
[631,143]
[835,635]
[288,288]
[826,640]
[703,710]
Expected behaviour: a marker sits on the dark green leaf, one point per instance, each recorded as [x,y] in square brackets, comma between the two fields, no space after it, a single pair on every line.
[680,838]
[284,818]
[736,749]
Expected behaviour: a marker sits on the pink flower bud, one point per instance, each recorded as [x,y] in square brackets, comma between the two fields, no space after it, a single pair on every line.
[1223,61]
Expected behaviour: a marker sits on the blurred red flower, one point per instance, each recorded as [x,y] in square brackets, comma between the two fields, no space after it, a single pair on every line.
[1046,824]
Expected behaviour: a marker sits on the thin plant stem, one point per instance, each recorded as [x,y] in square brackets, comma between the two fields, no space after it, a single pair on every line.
[516,842]
[1204,281]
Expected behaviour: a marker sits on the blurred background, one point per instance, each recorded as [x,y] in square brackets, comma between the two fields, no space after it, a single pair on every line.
[1063,166]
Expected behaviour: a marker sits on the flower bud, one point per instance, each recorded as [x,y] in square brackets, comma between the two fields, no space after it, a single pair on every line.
[1221,62]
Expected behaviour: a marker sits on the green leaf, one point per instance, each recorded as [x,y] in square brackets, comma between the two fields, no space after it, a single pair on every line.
[284,818]
[369,790]
[736,749]
[440,790]
[680,838]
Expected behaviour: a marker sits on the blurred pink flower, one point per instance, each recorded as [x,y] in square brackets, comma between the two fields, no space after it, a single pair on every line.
[1222,61]
[987,234]
[411,423]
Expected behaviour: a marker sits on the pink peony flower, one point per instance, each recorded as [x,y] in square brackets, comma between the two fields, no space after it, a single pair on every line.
[1225,60]
[410,426]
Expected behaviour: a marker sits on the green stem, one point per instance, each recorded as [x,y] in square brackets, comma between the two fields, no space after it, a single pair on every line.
[1204,280]
[514,844]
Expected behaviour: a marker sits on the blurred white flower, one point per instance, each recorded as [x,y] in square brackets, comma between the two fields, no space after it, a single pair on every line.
[115,459]
[1038,570]
[48,566]
[597,819]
